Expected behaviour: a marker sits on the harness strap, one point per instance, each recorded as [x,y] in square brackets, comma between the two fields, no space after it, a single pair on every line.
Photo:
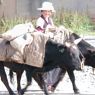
[46,23]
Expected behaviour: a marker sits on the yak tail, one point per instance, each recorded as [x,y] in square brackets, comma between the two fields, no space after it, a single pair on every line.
[11,76]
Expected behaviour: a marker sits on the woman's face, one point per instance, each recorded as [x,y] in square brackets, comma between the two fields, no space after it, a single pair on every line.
[46,13]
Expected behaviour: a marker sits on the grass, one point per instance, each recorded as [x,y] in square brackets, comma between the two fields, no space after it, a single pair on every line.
[79,23]
[6,24]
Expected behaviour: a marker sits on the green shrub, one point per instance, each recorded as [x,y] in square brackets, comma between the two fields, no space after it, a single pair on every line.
[79,23]
[6,24]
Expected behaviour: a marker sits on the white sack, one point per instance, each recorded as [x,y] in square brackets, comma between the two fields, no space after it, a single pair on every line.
[17,31]
[20,42]
[8,53]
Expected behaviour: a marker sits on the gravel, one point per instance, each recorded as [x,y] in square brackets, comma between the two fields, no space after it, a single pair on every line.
[85,81]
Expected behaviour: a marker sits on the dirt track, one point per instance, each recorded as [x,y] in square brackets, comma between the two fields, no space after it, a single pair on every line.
[85,81]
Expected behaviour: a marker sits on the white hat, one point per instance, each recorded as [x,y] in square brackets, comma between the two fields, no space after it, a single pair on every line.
[47,6]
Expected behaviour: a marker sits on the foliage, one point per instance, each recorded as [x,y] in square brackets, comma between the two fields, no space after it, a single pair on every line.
[79,23]
[6,24]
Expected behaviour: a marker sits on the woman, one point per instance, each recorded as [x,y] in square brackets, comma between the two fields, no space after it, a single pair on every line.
[45,23]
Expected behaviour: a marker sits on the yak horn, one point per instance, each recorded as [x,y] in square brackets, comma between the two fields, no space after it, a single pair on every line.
[77,40]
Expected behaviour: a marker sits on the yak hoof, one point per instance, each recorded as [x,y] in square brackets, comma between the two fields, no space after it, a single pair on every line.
[20,92]
[77,91]
[12,93]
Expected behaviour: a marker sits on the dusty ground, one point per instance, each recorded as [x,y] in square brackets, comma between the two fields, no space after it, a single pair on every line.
[85,81]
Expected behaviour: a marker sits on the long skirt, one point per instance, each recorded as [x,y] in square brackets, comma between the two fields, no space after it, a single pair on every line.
[53,77]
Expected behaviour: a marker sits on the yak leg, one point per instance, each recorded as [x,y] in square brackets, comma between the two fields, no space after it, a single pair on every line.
[45,89]
[38,80]
[38,77]
[29,75]
[72,78]
[11,76]
[4,79]
[19,74]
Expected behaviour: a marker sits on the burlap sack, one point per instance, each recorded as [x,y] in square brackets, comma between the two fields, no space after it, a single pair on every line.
[33,55]
[35,52]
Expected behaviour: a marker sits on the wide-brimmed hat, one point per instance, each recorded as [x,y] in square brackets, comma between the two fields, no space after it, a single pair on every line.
[47,6]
